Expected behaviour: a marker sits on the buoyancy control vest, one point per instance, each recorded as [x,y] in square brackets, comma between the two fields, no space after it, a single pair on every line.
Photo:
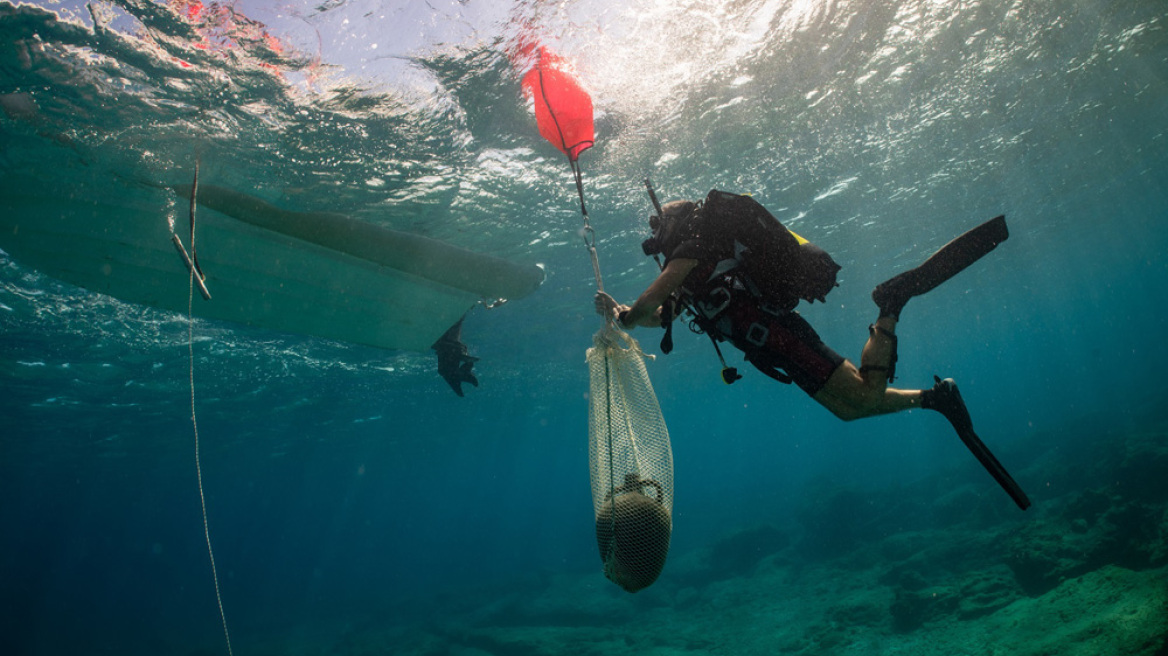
[745,255]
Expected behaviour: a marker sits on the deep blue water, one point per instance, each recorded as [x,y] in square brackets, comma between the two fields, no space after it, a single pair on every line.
[345,483]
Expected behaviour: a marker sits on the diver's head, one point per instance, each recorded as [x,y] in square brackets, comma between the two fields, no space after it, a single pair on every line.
[665,224]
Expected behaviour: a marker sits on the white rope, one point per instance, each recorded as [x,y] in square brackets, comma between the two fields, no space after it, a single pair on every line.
[195,425]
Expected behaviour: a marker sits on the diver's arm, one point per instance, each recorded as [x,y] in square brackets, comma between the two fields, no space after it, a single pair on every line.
[646,311]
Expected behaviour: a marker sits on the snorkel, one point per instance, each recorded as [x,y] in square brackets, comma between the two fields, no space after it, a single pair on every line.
[652,245]
[667,224]
[653,196]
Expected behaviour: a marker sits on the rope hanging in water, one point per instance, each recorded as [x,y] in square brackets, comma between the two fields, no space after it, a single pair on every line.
[196,275]
[588,233]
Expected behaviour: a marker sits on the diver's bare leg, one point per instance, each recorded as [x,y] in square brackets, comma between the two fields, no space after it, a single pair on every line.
[853,393]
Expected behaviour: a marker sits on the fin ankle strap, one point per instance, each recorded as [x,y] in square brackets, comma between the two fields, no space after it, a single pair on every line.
[892,358]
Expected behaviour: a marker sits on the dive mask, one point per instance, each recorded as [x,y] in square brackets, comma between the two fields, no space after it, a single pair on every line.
[652,245]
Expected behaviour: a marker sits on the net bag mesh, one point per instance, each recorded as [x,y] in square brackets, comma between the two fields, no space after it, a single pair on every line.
[631,462]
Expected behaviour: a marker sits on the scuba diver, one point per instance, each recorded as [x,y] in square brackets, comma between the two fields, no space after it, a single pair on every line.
[738,274]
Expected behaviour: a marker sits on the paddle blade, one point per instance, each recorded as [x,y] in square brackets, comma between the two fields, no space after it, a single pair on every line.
[563,109]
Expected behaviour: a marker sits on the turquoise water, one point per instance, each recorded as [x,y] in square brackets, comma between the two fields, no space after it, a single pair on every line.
[357,506]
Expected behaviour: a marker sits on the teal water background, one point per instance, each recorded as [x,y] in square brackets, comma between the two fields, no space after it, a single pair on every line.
[344,481]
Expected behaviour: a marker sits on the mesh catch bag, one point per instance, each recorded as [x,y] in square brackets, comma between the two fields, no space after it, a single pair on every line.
[631,462]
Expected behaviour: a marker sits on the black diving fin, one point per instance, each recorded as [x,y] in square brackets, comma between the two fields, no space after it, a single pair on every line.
[948,261]
[945,399]
[995,468]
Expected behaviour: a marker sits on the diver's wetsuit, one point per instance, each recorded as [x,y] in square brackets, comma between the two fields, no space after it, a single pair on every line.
[771,334]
